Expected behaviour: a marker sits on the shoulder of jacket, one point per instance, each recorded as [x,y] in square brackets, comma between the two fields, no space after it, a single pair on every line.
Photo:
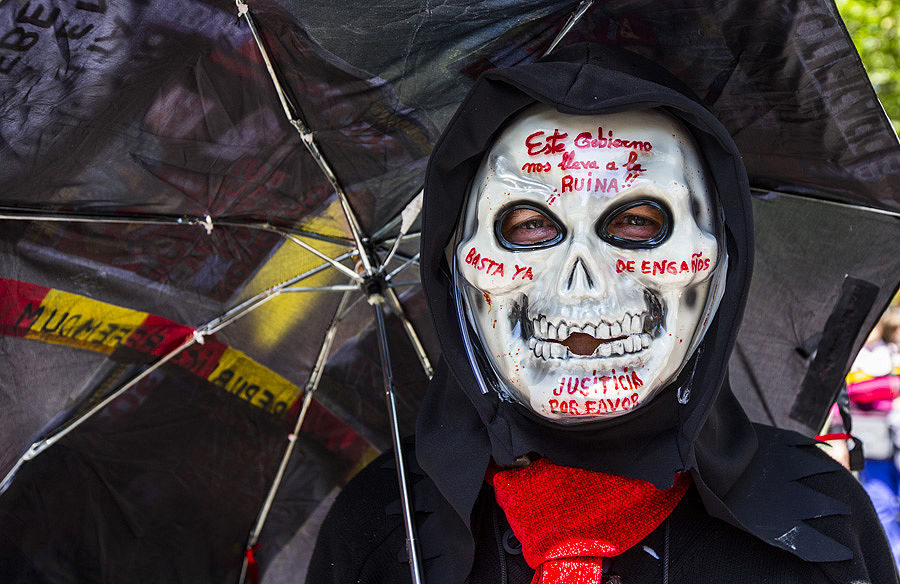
[361,534]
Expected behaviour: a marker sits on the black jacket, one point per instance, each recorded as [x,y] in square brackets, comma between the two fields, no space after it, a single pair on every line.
[764,501]
[363,539]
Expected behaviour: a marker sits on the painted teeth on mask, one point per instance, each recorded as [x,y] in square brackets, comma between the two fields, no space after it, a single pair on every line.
[557,351]
[547,350]
[549,335]
[602,331]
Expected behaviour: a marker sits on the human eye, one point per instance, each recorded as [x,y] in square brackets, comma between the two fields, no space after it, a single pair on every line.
[527,226]
[642,224]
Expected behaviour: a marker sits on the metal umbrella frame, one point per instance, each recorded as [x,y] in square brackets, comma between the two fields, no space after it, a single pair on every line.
[375,284]
[373,278]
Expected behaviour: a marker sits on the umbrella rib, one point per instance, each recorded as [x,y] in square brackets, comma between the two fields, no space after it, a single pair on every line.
[39,215]
[419,349]
[412,208]
[307,137]
[336,264]
[407,217]
[570,23]
[286,105]
[403,257]
[315,376]
[414,259]
[335,288]
[758,191]
[391,253]
[183,220]
[352,306]
[407,237]
[42,445]
[261,298]
[311,386]
[288,231]
[388,226]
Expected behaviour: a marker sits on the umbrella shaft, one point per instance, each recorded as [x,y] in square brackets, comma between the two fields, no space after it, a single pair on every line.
[408,522]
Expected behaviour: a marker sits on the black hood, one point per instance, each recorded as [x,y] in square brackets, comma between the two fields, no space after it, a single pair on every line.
[460,429]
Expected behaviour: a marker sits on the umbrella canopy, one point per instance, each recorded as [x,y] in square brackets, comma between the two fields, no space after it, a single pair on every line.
[179,173]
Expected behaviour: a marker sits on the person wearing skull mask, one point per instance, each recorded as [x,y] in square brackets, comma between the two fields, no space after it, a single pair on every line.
[589,259]
[586,254]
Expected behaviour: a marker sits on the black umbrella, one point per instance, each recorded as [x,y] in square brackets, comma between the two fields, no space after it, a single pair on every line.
[172,176]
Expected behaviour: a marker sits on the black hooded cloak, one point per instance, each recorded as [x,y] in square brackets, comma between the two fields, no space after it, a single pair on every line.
[766,505]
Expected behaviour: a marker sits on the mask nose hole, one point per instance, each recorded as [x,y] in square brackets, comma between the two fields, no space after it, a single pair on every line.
[579,277]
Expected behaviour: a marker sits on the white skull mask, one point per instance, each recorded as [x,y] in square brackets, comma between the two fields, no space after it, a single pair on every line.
[590,252]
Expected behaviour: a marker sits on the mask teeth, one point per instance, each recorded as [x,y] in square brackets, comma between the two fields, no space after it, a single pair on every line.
[548,350]
[560,330]
[545,350]
[633,343]
[630,344]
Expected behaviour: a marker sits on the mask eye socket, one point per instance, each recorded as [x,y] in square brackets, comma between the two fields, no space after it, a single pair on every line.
[636,225]
[526,226]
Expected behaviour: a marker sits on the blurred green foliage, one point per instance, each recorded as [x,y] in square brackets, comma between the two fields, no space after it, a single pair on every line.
[873,24]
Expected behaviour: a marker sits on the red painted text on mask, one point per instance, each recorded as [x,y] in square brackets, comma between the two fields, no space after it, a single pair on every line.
[599,383]
[591,407]
[571,184]
[698,263]
[553,144]
[586,140]
[492,268]
[531,167]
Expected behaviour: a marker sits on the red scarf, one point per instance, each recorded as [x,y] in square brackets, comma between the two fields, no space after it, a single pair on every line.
[569,519]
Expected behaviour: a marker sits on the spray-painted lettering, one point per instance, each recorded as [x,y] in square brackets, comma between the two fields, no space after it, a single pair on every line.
[524,272]
[575,407]
[586,140]
[596,384]
[698,263]
[531,167]
[589,184]
[633,167]
[569,163]
[624,266]
[552,145]
[486,265]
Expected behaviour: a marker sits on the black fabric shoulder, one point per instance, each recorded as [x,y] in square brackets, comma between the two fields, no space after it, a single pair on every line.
[860,530]
[358,540]
[706,550]
[363,538]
